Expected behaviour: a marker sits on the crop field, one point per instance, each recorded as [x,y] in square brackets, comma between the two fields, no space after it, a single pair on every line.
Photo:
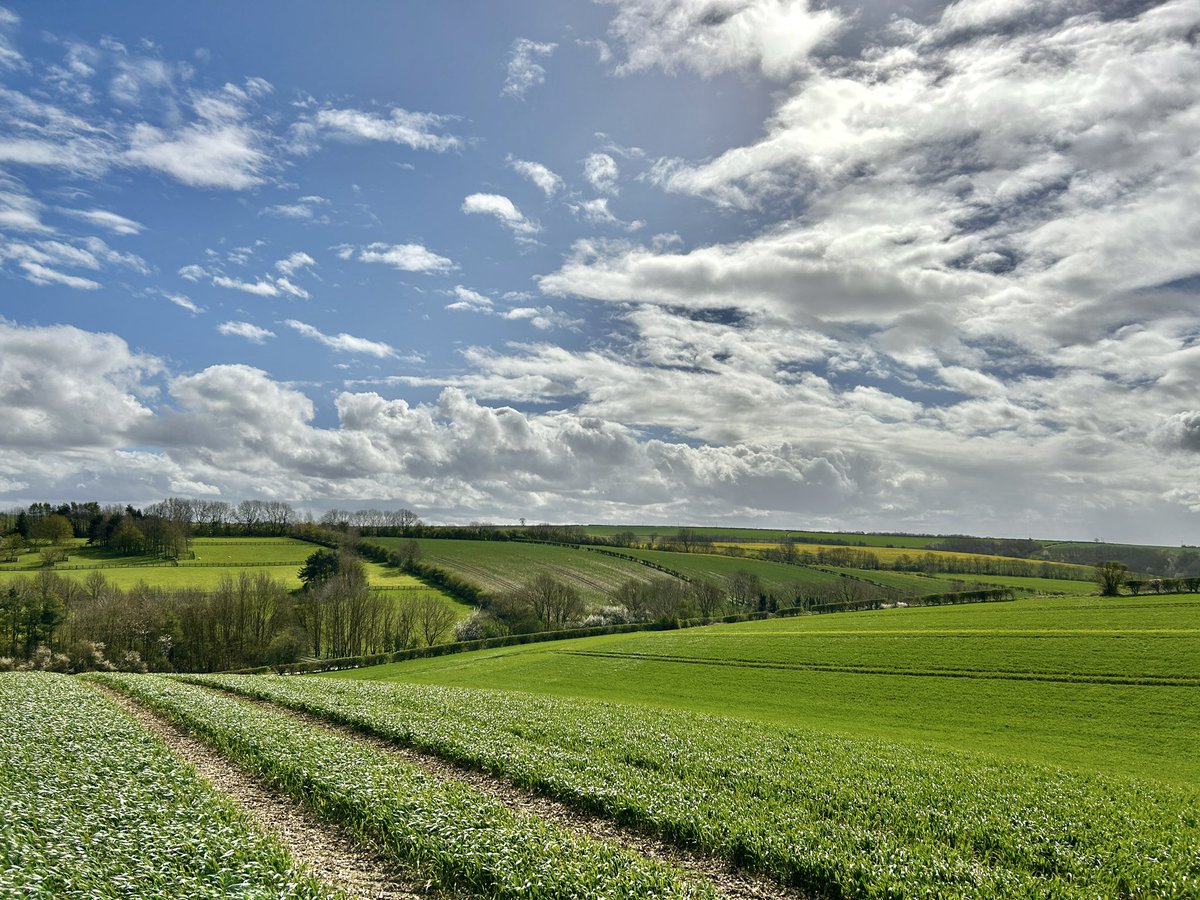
[775,576]
[887,556]
[830,815]
[93,806]
[1092,684]
[771,536]
[1034,585]
[452,834]
[907,582]
[502,566]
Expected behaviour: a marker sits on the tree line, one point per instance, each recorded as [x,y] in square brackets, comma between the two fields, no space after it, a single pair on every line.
[249,619]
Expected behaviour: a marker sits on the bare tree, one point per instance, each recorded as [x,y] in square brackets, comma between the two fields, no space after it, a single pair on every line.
[432,617]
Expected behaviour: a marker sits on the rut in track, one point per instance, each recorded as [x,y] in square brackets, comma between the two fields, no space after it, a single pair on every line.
[333,855]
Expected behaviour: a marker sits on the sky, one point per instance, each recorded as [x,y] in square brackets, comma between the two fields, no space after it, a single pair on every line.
[928,267]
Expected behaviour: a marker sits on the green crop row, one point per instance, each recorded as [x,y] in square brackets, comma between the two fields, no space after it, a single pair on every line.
[454,835]
[92,806]
[834,816]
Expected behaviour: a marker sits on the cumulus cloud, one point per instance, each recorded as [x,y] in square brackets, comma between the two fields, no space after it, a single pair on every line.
[64,389]
[343,343]
[504,210]
[774,36]
[405,257]
[469,301]
[549,183]
[523,70]
[252,333]
[601,171]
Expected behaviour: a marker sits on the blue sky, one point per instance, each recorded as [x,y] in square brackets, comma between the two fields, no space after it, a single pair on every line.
[932,268]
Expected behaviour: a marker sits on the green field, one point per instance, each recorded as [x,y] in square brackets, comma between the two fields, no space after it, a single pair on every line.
[833,816]
[907,582]
[774,576]
[643,533]
[1035,585]
[502,566]
[93,806]
[1088,683]
[281,558]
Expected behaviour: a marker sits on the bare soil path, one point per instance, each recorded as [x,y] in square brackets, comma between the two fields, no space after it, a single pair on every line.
[730,883]
[332,854]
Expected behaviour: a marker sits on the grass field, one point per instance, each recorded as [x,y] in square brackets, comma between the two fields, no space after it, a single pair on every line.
[216,558]
[1087,683]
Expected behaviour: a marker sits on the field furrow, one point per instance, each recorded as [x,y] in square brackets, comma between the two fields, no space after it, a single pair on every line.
[453,835]
[93,806]
[834,816]
[332,854]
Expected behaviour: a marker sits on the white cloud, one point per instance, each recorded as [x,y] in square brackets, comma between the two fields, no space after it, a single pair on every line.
[597,212]
[305,208]
[21,212]
[287,287]
[523,72]
[405,257]
[193,272]
[775,36]
[470,301]
[343,343]
[209,156]
[549,183]
[601,171]
[259,288]
[418,130]
[44,275]
[184,302]
[109,221]
[252,333]
[504,210]
[543,318]
[64,389]
[295,262]
[10,58]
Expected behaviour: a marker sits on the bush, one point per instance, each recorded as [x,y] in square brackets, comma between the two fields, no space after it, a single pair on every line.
[478,627]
